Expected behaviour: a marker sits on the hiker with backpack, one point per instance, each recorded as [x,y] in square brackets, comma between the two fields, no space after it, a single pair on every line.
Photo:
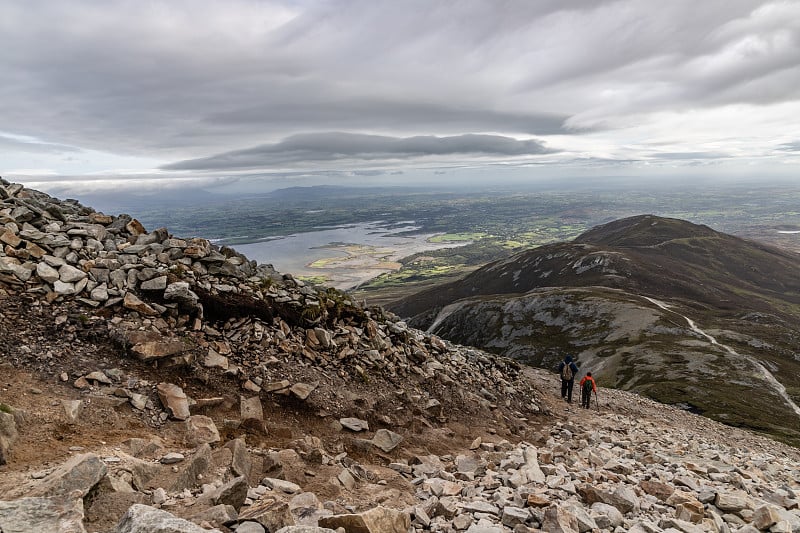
[567,370]
[587,386]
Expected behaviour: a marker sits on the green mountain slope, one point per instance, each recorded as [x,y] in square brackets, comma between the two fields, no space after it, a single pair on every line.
[674,310]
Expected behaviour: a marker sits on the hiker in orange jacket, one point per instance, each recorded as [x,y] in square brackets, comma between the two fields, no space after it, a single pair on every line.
[587,385]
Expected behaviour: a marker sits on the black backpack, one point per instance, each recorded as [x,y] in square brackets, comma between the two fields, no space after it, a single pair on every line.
[587,388]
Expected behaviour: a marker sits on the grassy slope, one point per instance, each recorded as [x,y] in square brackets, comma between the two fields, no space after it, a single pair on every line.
[748,292]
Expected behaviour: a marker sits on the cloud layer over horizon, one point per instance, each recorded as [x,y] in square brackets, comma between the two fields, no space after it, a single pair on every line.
[282,86]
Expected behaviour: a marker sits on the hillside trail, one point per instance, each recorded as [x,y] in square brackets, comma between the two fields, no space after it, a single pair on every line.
[763,370]
[617,409]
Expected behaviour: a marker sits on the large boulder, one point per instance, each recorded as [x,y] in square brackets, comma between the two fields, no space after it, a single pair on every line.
[64,515]
[146,519]
[8,433]
[78,475]
[377,520]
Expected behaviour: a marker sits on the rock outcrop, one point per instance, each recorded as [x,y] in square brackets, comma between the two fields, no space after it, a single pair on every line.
[186,303]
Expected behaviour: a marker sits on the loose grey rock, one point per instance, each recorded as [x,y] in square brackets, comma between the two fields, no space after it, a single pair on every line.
[386,440]
[174,400]
[354,424]
[376,520]
[281,485]
[29,515]
[172,458]
[146,519]
[200,429]
[79,474]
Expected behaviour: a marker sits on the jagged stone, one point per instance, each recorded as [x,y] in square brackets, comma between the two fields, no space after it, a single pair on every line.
[302,390]
[8,434]
[232,493]
[276,386]
[584,519]
[174,400]
[172,458]
[29,515]
[354,424]
[132,302]
[623,498]
[690,512]
[158,347]
[386,440]
[732,502]
[198,466]
[215,360]
[217,516]
[240,457]
[346,479]
[156,284]
[559,519]
[47,273]
[281,485]
[98,377]
[181,293]
[513,516]
[115,484]
[80,474]
[201,429]
[250,408]
[145,519]
[271,514]
[376,520]
[72,410]
[660,490]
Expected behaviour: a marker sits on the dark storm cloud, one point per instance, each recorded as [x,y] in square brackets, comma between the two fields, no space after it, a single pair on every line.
[315,147]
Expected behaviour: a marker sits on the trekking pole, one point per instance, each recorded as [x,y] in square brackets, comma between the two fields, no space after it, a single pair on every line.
[596,402]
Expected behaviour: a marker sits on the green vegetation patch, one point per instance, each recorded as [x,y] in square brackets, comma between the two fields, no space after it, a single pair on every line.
[457,237]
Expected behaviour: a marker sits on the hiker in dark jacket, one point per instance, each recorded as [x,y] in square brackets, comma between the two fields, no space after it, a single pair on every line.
[567,370]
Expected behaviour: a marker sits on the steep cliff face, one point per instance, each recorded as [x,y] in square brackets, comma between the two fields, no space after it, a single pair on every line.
[673,310]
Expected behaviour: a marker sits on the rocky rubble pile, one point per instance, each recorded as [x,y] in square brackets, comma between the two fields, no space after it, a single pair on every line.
[187,303]
[622,475]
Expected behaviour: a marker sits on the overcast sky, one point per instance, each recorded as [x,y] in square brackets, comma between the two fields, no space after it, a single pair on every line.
[99,94]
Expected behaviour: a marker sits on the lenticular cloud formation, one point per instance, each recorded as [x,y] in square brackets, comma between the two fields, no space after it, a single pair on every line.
[339,146]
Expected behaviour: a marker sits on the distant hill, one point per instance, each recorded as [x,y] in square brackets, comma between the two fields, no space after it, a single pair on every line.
[624,296]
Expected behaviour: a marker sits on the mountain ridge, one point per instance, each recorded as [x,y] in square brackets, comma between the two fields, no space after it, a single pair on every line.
[563,298]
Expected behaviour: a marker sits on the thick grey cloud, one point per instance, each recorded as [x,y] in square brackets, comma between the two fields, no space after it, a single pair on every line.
[790,147]
[315,147]
[181,80]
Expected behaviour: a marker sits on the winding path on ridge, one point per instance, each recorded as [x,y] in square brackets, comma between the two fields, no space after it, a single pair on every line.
[764,371]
